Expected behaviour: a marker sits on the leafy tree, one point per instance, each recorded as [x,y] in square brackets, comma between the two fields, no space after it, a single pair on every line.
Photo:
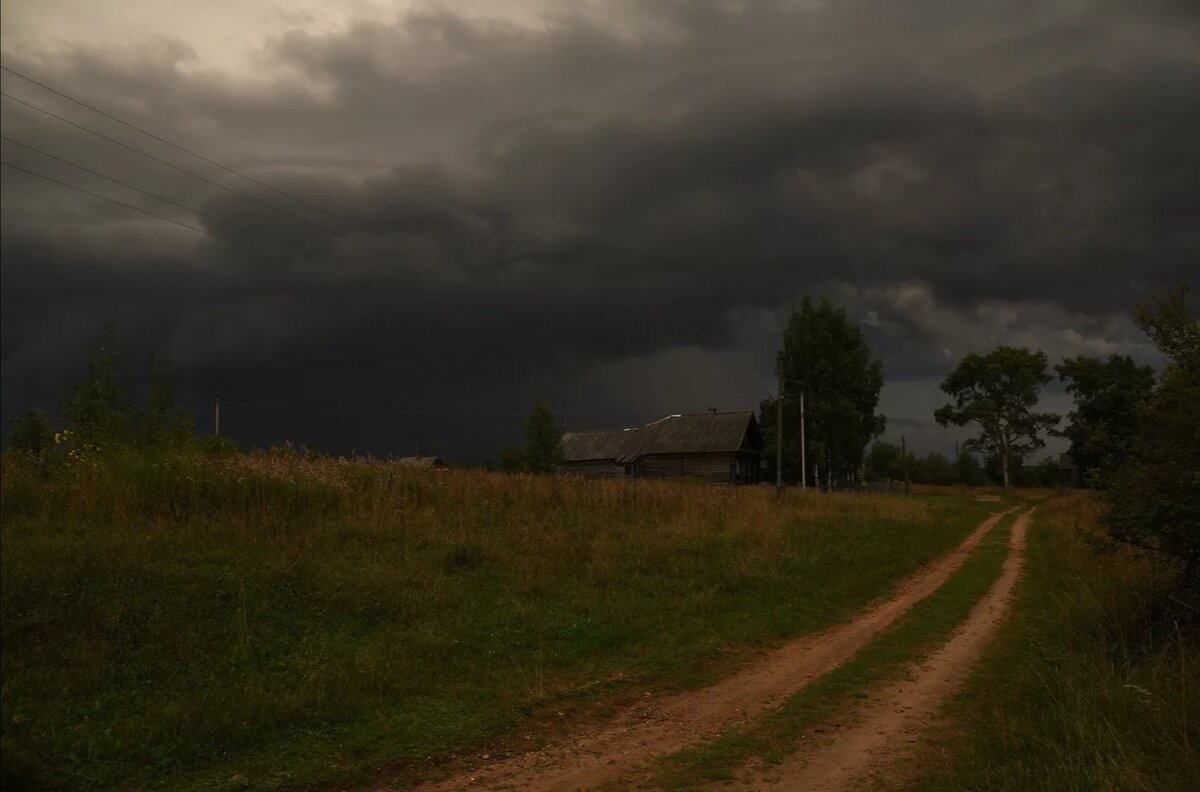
[30,435]
[933,468]
[968,471]
[164,424]
[99,410]
[884,461]
[510,460]
[826,356]
[999,391]
[1154,497]
[543,441]
[1108,395]
[1045,473]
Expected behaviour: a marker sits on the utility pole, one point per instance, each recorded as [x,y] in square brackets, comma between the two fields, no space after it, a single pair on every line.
[803,463]
[779,440]
[904,457]
[217,416]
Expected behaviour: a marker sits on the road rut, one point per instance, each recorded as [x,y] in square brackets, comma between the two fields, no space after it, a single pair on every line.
[894,721]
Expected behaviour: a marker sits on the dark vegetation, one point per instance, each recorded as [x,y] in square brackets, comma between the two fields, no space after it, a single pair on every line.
[1103,427]
[886,461]
[543,446]
[101,416]
[1153,496]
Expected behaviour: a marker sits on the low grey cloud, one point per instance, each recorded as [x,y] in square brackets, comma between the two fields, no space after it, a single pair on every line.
[612,209]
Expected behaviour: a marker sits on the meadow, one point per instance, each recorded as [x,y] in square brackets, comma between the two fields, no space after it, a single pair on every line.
[278,621]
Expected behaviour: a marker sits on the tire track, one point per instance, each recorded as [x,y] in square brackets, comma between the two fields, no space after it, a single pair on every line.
[871,747]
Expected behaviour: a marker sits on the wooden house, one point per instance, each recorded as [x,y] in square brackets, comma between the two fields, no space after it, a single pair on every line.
[713,446]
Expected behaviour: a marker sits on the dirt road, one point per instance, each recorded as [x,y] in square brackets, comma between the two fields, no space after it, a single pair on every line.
[899,714]
[589,759]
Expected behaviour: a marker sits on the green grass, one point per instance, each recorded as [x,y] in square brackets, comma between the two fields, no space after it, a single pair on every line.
[917,633]
[1093,684]
[271,621]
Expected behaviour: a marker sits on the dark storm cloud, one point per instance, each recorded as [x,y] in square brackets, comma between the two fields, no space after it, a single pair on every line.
[516,210]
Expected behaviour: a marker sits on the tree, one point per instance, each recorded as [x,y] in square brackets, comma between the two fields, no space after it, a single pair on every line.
[968,471]
[933,468]
[99,410]
[826,357]
[1108,395]
[164,424]
[1154,497]
[30,435]
[884,462]
[543,441]
[998,391]
[510,460]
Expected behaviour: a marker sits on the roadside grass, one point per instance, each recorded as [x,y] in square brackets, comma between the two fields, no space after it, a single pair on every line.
[888,656]
[276,621]
[1093,684]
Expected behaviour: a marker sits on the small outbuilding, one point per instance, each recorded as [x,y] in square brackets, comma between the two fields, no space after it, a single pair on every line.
[713,446]
[421,461]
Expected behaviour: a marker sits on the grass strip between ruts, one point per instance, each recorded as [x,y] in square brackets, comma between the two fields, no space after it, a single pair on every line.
[916,634]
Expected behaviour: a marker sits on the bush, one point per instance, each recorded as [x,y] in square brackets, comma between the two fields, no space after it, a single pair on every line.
[1154,498]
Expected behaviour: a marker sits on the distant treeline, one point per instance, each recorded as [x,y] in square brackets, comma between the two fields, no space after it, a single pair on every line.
[100,415]
[886,461]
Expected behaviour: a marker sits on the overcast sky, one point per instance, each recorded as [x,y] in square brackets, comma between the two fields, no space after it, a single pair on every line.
[610,206]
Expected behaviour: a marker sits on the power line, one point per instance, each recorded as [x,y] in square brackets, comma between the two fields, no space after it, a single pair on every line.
[381,411]
[114,200]
[162,161]
[368,411]
[124,184]
[830,384]
[173,145]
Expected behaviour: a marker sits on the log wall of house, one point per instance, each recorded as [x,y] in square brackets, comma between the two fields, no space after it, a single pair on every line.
[714,467]
[597,468]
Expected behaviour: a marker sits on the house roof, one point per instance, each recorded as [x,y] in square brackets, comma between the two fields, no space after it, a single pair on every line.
[696,433]
[597,444]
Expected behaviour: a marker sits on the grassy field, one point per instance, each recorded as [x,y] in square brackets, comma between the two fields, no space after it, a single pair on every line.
[1093,684]
[270,621]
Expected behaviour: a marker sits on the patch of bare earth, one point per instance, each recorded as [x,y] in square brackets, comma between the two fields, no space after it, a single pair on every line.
[870,751]
[602,755]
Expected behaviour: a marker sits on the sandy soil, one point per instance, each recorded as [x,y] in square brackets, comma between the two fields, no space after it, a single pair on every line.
[665,725]
[867,751]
